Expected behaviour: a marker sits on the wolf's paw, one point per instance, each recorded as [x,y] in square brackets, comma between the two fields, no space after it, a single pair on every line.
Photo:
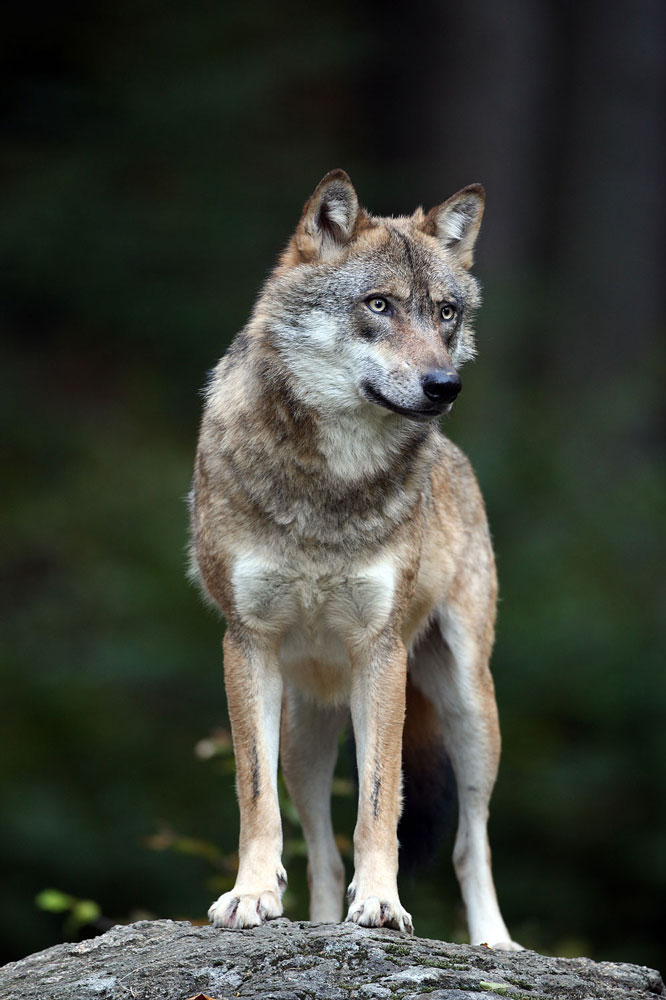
[375,912]
[236,910]
[506,946]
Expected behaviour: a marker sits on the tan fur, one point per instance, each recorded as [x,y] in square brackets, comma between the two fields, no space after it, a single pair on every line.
[345,540]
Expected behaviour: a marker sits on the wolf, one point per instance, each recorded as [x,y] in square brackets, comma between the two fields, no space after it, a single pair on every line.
[344,538]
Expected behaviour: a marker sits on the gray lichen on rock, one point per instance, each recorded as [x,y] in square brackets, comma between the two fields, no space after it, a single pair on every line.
[165,960]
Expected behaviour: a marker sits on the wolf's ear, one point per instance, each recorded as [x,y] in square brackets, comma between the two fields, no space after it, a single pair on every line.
[329,218]
[456,222]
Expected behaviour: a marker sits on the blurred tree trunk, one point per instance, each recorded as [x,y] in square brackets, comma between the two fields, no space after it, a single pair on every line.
[558,108]
[609,252]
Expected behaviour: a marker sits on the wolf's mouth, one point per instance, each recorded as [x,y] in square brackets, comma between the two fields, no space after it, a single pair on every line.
[426,413]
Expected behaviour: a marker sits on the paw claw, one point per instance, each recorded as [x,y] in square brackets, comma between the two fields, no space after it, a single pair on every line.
[373,912]
[507,946]
[237,910]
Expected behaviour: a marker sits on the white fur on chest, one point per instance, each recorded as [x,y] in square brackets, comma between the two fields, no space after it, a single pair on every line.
[356,446]
[313,618]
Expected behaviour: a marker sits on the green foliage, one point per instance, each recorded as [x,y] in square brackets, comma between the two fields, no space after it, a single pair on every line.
[54,901]
[79,912]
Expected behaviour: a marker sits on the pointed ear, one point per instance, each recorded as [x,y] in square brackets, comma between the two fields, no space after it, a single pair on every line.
[329,217]
[456,222]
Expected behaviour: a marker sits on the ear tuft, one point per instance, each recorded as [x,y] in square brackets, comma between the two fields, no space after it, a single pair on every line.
[456,222]
[329,217]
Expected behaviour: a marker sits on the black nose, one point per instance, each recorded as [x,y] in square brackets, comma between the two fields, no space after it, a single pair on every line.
[442,385]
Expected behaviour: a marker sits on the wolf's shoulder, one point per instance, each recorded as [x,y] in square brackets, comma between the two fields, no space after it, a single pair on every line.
[453,478]
[451,458]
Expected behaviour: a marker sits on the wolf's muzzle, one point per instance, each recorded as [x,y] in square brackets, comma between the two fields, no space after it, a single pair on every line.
[441,385]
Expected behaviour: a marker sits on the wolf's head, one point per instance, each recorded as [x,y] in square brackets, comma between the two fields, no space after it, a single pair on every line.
[375,313]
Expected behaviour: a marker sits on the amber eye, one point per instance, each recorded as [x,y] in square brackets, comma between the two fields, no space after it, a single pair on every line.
[377,305]
[447,312]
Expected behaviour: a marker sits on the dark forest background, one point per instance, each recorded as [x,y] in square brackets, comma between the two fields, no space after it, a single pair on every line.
[154,158]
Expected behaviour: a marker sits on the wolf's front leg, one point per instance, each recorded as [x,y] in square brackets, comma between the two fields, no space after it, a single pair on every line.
[254,697]
[378,711]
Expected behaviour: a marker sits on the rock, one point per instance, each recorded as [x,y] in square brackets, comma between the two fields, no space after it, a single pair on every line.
[165,960]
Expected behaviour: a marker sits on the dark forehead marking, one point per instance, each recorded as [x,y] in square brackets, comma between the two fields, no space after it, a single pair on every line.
[420,265]
[408,249]
[430,269]
[420,260]
[426,268]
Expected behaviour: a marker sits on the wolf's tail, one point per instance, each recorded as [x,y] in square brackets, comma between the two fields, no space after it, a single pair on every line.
[429,791]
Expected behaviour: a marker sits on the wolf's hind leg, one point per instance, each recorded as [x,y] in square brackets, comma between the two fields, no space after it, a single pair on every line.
[309,752]
[450,666]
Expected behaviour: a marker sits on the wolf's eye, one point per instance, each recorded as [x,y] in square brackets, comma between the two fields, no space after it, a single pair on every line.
[377,304]
[447,312]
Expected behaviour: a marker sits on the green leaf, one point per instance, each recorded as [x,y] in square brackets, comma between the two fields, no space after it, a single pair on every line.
[86,911]
[54,901]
